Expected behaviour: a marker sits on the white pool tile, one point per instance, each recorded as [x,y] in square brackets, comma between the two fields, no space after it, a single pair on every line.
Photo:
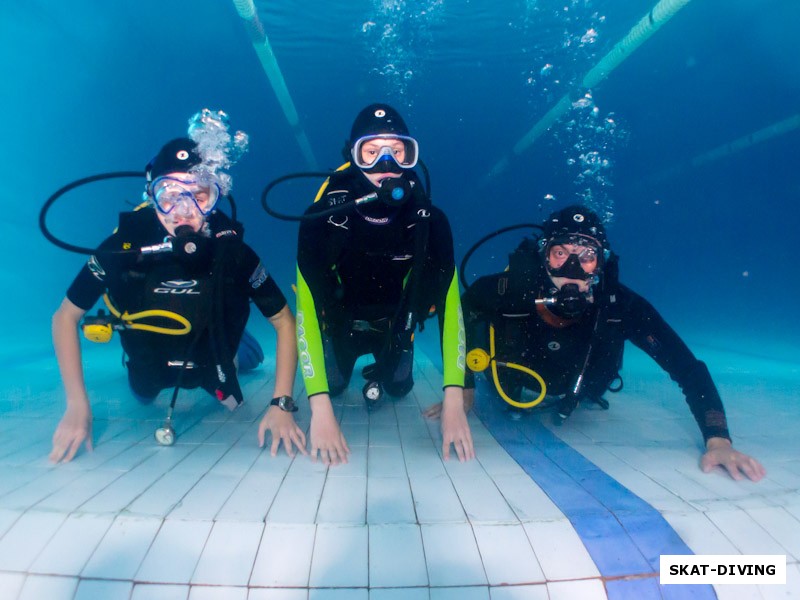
[175,552]
[344,501]
[396,556]
[297,500]
[389,500]
[200,592]
[27,538]
[507,555]
[7,519]
[11,584]
[340,557]
[588,589]
[399,594]
[700,534]
[147,591]
[338,594]
[386,461]
[481,499]
[356,465]
[39,587]
[206,498]
[747,535]
[122,550]
[553,540]
[277,594]
[436,501]
[452,555]
[252,498]
[519,592]
[527,499]
[782,526]
[163,495]
[229,554]
[69,549]
[460,593]
[89,589]
[284,556]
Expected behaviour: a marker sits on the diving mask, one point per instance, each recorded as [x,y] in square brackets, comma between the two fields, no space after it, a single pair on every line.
[170,193]
[573,257]
[385,152]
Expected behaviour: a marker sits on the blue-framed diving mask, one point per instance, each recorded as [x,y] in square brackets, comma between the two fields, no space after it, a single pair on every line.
[193,192]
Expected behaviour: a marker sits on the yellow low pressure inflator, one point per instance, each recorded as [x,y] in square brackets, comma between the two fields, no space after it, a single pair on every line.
[478,360]
[100,327]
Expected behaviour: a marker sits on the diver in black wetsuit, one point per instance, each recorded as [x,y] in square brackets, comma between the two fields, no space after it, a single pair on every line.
[179,278]
[368,273]
[560,311]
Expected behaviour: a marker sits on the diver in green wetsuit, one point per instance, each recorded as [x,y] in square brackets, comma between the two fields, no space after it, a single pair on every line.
[368,274]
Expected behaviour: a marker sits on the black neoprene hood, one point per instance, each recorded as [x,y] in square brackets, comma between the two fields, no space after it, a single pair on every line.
[177,156]
[377,119]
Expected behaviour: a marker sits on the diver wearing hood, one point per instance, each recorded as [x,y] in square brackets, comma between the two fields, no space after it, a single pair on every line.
[179,279]
[368,275]
[560,312]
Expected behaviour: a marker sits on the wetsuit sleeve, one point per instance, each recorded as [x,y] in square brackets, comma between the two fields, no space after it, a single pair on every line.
[451,321]
[645,327]
[261,287]
[91,282]
[315,290]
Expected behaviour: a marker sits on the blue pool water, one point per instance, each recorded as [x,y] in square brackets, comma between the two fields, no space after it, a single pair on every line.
[91,89]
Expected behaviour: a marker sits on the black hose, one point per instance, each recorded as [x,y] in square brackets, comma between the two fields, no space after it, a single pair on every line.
[463,267]
[71,186]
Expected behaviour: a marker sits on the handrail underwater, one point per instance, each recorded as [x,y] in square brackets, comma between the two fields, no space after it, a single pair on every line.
[247,11]
[639,33]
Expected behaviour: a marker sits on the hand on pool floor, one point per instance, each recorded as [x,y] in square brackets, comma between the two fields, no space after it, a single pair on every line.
[721,453]
[74,428]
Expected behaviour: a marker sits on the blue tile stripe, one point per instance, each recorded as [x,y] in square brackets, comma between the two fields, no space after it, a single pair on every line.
[623,534]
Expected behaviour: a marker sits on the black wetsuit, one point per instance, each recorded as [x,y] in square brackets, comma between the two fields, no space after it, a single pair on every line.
[217,306]
[556,348]
[354,295]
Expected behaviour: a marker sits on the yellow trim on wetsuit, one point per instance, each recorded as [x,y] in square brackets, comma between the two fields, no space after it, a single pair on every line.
[325,183]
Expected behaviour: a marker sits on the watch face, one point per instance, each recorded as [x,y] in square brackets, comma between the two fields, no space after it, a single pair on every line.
[286,403]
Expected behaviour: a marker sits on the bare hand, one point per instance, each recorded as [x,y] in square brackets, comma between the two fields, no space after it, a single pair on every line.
[434,411]
[282,426]
[455,429]
[326,436]
[720,452]
[74,428]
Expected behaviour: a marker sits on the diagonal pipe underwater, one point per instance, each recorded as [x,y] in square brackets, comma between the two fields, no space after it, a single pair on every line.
[639,33]
[266,56]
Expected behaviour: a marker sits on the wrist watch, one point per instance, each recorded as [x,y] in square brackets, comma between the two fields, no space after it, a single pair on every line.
[285,403]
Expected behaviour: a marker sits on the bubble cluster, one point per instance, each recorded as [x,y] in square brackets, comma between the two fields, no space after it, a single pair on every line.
[397,33]
[218,149]
[566,42]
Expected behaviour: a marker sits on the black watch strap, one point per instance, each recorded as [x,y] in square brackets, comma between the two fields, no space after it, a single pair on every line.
[285,403]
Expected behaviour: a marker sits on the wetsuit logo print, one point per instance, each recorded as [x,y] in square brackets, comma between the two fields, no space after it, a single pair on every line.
[258,277]
[302,348]
[96,269]
[178,286]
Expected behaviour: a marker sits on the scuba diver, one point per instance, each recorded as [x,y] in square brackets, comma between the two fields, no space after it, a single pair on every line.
[370,268]
[556,321]
[177,279]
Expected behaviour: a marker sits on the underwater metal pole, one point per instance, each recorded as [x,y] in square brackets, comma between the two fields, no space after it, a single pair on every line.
[258,37]
[639,33]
